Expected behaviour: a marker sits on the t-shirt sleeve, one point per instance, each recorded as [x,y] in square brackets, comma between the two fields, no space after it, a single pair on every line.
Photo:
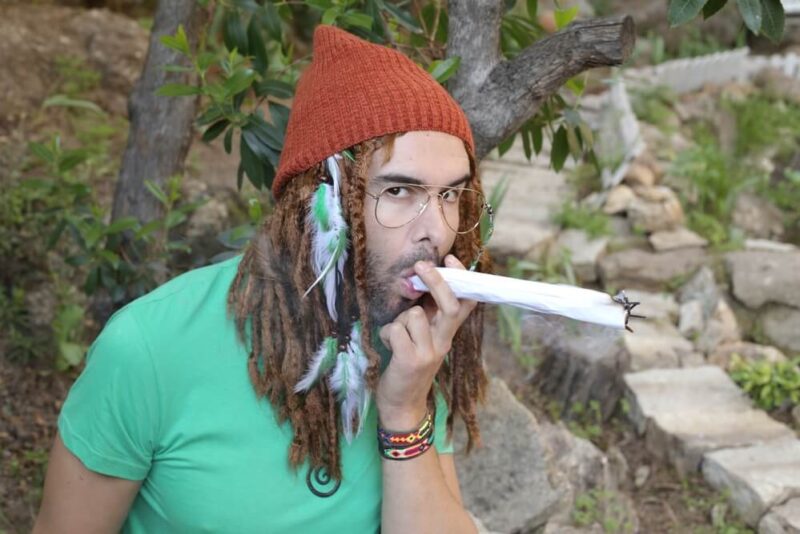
[110,418]
[440,441]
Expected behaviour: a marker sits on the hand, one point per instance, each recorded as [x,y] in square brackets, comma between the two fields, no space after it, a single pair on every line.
[419,338]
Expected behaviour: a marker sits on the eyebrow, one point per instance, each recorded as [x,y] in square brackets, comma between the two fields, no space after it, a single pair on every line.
[396,178]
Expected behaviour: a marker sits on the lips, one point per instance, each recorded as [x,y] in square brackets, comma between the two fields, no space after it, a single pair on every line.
[407,289]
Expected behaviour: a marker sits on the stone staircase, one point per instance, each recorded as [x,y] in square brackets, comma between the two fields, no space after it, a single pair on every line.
[698,419]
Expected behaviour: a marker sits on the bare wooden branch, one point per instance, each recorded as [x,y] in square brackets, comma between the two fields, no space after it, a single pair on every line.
[161,127]
[499,96]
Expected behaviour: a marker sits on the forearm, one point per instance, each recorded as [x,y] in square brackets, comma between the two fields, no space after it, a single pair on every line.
[416,498]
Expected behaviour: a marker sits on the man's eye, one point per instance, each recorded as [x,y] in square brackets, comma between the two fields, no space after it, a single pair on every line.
[451,195]
[397,192]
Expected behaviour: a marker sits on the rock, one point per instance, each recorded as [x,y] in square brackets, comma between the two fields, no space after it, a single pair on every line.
[584,252]
[750,352]
[642,474]
[782,519]
[480,526]
[581,363]
[758,476]
[703,287]
[693,359]
[781,325]
[639,174]
[618,199]
[692,321]
[618,468]
[505,482]
[523,224]
[765,245]
[656,346]
[557,527]
[655,208]
[757,217]
[578,464]
[678,238]
[721,327]
[657,307]
[761,277]
[777,84]
[646,270]
[685,413]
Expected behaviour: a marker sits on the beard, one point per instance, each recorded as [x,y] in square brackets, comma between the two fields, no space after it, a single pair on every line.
[384,303]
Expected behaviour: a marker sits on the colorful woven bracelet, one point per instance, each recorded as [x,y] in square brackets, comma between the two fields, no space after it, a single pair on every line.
[388,439]
[407,453]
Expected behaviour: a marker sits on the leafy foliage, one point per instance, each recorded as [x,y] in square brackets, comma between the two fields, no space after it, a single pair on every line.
[576,215]
[770,384]
[760,16]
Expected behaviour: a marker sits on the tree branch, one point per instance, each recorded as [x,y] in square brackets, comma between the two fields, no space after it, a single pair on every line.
[499,96]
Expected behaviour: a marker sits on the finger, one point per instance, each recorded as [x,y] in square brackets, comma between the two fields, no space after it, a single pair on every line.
[446,301]
[395,336]
[418,327]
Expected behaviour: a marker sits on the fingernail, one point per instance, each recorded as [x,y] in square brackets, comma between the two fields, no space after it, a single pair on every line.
[450,259]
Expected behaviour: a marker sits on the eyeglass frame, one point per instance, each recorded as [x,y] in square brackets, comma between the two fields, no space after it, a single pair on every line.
[427,188]
[485,208]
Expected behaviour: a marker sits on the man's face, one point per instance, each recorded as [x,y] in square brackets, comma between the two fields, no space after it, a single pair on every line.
[434,159]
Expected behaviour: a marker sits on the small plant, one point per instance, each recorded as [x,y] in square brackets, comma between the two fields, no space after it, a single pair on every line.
[765,124]
[15,325]
[656,106]
[602,507]
[586,421]
[771,385]
[575,215]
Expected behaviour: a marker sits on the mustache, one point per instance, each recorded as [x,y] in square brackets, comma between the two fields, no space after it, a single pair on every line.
[420,255]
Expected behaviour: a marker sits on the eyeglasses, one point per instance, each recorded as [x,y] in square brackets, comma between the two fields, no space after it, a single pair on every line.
[398,205]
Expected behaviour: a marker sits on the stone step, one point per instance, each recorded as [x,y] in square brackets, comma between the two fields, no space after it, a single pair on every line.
[685,413]
[757,478]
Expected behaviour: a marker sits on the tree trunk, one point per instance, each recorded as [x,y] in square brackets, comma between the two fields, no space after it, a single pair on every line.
[497,95]
[161,127]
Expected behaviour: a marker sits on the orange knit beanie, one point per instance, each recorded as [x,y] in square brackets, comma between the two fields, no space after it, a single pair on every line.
[354,91]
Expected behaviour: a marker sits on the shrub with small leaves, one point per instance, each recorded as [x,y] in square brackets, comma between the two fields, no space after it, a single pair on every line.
[771,385]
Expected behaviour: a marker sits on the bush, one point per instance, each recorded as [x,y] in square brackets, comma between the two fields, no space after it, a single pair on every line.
[771,385]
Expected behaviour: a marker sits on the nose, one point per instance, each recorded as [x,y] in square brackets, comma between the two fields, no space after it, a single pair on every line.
[431,225]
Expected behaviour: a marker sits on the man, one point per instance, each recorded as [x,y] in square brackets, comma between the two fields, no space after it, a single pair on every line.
[249,396]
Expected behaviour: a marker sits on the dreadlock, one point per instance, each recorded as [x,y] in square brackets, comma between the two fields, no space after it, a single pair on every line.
[284,330]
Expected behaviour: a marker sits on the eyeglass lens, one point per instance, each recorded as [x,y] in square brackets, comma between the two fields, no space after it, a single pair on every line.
[399,205]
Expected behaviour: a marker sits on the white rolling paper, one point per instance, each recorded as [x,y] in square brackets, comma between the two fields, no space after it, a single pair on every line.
[569,301]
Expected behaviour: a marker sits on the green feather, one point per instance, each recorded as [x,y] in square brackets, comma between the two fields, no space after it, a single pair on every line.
[330,356]
[320,209]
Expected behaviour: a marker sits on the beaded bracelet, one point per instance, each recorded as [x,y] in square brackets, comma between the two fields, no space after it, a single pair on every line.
[406,445]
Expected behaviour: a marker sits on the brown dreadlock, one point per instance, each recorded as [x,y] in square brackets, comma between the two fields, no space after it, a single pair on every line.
[284,330]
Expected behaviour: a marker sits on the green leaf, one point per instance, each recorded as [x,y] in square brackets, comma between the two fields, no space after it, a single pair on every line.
[774,19]
[574,143]
[259,147]
[174,218]
[565,16]
[681,11]
[156,191]
[257,47]
[42,152]
[240,81]
[402,17]
[276,88]
[71,159]
[322,5]
[67,102]
[536,137]
[215,130]
[751,13]
[177,89]
[234,34]
[205,60]
[527,145]
[533,8]
[272,20]
[176,68]
[505,146]
[177,42]
[122,224]
[251,164]
[443,69]
[360,20]
[227,141]
[71,353]
[560,149]
[712,7]
[330,15]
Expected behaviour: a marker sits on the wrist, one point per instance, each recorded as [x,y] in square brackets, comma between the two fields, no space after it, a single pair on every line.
[401,419]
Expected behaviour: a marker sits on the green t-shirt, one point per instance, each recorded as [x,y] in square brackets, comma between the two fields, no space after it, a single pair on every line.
[165,398]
